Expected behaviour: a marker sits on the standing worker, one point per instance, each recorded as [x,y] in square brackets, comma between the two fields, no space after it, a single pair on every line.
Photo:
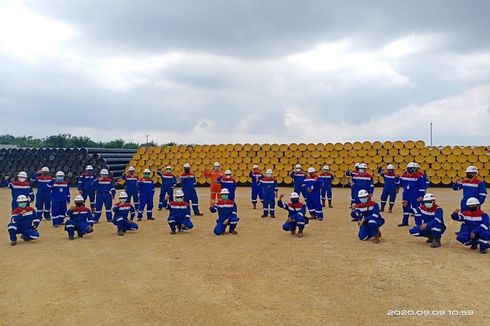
[60,198]
[169,181]
[146,190]
[390,187]
[351,174]
[255,177]
[20,187]
[86,186]
[104,194]
[43,196]
[326,177]
[188,182]
[311,187]
[298,176]
[131,186]
[414,187]
[362,181]
[227,182]
[268,184]
[215,186]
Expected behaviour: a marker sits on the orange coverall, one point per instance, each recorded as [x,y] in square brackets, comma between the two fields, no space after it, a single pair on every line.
[215,185]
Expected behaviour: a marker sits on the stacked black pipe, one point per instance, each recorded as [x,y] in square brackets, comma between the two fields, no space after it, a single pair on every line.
[71,161]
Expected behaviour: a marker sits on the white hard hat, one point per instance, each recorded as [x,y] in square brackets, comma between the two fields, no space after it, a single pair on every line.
[22,199]
[216,164]
[225,191]
[411,165]
[416,164]
[228,172]
[471,169]
[147,171]
[89,167]
[294,195]
[131,169]
[362,193]
[268,171]
[168,167]
[390,167]
[363,166]
[357,164]
[311,170]
[298,166]
[22,174]
[104,171]
[326,167]
[123,194]
[429,197]
[79,198]
[45,169]
[179,193]
[255,166]
[472,201]
[60,174]
[187,165]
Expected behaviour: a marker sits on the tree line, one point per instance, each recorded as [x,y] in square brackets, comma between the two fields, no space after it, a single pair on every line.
[69,141]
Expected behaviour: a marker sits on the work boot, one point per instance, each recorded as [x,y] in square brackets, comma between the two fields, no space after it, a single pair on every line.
[300,234]
[255,205]
[273,216]
[48,218]
[293,231]
[474,246]
[483,251]
[429,240]
[323,202]
[198,214]
[172,232]
[390,210]
[402,225]
[71,237]
[264,215]
[151,218]
[436,243]
[13,243]
[330,203]
[376,240]
[139,219]
[234,232]
[382,208]
[120,233]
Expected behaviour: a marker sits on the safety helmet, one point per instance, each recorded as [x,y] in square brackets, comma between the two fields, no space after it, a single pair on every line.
[131,169]
[216,164]
[363,166]
[225,191]
[45,169]
[104,172]
[227,172]
[298,166]
[294,195]
[168,167]
[179,193]
[22,174]
[187,165]
[390,167]
[89,167]
[79,199]
[411,165]
[362,193]
[311,170]
[255,166]
[357,165]
[147,171]
[22,199]
[416,165]
[123,194]
[429,197]
[60,174]
[269,171]
[326,167]
[472,201]
[471,169]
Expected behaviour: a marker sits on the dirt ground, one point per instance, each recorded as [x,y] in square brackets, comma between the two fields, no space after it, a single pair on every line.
[262,276]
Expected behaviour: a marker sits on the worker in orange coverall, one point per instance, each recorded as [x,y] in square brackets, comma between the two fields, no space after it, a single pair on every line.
[215,185]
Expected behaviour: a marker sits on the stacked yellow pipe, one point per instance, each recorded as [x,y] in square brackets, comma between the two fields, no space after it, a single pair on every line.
[443,165]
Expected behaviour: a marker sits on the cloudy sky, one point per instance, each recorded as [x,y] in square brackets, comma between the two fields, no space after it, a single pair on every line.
[219,71]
